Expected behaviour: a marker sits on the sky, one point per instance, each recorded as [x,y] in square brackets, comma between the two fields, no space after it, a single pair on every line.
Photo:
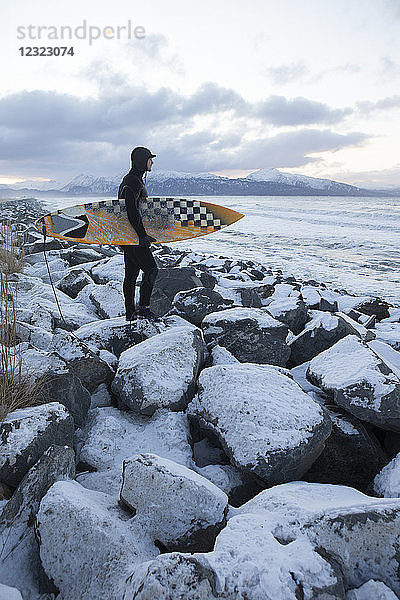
[306,86]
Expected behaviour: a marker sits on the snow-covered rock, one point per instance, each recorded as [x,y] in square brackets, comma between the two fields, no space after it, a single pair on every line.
[9,593]
[160,372]
[359,381]
[87,366]
[322,332]
[26,433]
[108,300]
[195,304]
[247,562]
[112,436]
[292,311]
[74,281]
[86,545]
[389,333]
[56,381]
[250,334]
[352,456]
[116,335]
[359,533]
[222,356]
[372,590]
[19,562]
[111,269]
[169,282]
[387,482]
[177,506]
[265,423]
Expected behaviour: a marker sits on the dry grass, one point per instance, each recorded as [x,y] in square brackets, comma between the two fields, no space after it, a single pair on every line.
[17,388]
[11,247]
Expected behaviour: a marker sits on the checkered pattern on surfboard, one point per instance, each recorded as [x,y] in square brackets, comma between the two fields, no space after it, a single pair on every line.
[183,212]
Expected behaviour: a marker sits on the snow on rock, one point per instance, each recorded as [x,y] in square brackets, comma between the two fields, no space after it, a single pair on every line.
[387,482]
[359,381]
[250,334]
[266,424]
[90,368]
[177,506]
[38,296]
[86,546]
[112,436]
[310,295]
[160,372]
[247,562]
[36,336]
[389,333]
[25,435]
[74,281]
[9,593]
[360,533]
[20,553]
[372,590]
[222,356]
[322,332]
[100,397]
[291,310]
[195,304]
[111,269]
[108,300]
[56,381]
[116,335]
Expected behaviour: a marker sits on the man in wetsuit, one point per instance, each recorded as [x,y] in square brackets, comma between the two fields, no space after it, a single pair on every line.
[137,258]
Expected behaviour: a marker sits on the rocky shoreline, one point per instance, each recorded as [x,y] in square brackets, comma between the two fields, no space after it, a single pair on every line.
[246,445]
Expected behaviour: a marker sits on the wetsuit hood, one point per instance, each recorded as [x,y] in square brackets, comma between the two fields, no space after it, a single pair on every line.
[139,158]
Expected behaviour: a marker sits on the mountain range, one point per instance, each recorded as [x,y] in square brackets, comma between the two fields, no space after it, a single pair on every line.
[263,182]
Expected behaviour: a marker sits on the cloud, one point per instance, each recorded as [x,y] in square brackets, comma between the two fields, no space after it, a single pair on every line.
[288,73]
[51,134]
[383,104]
[280,111]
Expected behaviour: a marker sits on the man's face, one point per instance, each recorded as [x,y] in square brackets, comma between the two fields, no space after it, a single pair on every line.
[149,163]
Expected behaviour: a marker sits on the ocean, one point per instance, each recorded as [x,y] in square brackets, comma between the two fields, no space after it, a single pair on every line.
[347,243]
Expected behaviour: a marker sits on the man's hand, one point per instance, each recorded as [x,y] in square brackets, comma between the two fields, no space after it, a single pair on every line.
[146,241]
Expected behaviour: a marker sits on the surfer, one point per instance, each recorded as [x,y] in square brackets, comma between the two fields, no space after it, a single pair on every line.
[140,257]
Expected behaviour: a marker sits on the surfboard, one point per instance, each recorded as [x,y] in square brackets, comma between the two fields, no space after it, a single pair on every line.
[166,219]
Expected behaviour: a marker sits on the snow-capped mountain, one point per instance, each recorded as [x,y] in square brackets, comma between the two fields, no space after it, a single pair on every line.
[263,182]
[274,175]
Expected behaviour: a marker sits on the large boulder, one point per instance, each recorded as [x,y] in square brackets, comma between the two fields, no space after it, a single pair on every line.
[247,562]
[86,545]
[352,456]
[20,554]
[116,335]
[108,300]
[357,533]
[74,281]
[195,304]
[87,365]
[265,423]
[56,382]
[160,372]
[372,589]
[177,506]
[359,381]
[322,332]
[250,334]
[291,310]
[112,436]
[169,282]
[26,433]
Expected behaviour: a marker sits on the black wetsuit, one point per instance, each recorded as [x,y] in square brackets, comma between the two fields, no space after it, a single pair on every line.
[139,257]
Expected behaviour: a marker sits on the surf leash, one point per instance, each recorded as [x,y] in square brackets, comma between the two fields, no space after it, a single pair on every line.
[44,233]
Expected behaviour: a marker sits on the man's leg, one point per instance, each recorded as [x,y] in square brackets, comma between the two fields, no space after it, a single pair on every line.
[131,273]
[145,261]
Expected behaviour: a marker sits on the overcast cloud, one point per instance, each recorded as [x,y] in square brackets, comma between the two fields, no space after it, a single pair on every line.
[42,131]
